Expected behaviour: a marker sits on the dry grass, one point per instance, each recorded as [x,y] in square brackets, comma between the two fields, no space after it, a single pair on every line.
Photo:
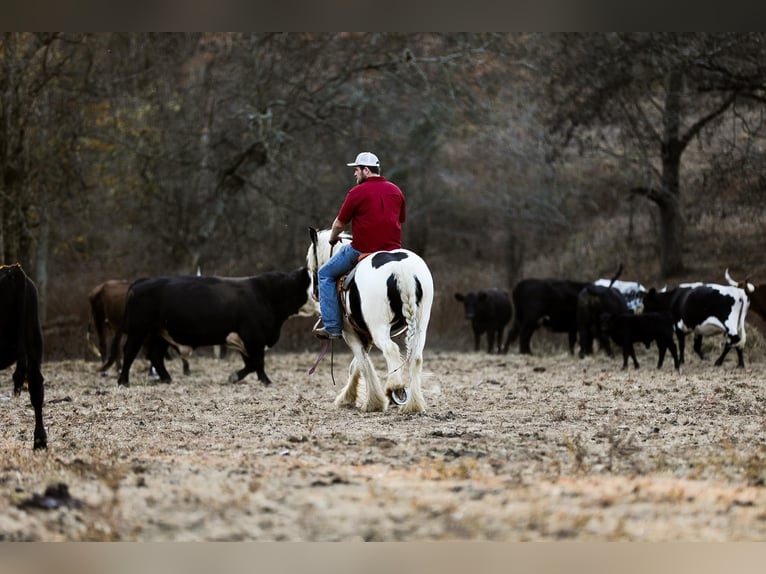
[512,448]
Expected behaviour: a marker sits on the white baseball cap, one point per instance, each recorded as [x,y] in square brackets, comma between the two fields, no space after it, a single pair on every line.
[365,158]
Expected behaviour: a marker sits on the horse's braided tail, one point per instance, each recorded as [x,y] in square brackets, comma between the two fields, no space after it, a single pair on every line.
[408,289]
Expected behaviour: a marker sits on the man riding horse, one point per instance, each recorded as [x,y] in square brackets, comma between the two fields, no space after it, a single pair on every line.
[375,208]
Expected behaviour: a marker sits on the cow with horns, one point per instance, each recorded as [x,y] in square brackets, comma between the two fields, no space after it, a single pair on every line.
[387,293]
[704,309]
[756,293]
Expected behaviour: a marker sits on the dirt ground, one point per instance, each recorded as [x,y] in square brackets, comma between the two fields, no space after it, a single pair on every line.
[511,448]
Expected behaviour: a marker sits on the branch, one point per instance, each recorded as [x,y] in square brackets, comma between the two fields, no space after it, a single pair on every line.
[651,193]
[700,123]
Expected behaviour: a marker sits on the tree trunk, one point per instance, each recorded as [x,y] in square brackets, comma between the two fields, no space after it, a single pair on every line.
[41,259]
[671,221]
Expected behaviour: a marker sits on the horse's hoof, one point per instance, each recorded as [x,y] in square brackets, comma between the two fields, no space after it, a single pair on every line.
[400,396]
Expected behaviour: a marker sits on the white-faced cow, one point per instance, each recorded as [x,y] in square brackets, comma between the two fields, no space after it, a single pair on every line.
[627,328]
[193,311]
[592,302]
[107,315]
[551,303]
[21,340]
[489,311]
[704,309]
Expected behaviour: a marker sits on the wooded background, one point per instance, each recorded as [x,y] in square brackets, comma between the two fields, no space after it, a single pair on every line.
[520,155]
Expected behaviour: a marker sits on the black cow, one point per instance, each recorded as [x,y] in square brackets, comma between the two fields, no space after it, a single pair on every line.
[107,313]
[548,302]
[193,311]
[21,340]
[593,301]
[704,308]
[627,328]
[489,311]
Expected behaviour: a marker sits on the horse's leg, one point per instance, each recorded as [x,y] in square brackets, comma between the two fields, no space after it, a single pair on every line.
[348,395]
[395,364]
[376,400]
[416,402]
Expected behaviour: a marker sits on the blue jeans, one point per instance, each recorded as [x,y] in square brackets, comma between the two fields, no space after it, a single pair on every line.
[342,262]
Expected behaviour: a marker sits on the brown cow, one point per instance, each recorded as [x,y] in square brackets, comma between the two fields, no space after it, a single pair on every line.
[755,292]
[107,312]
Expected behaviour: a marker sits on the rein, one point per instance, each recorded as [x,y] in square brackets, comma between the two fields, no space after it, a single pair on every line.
[327,343]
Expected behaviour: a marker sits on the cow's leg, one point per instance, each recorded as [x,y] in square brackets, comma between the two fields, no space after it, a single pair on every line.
[490,340]
[603,339]
[156,351]
[698,347]
[740,358]
[476,338]
[114,353]
[681,336]
[34,379]
[500,340]
[674,354]
[661,348]
[572,340]
[625,354]
[254,362]
[525,337]
[726,348]
[37,396]
[185,364]
[348,395]
[632,350]
[129,353]
[19,376]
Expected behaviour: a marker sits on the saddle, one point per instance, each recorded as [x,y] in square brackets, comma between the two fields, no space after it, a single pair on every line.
[343,284]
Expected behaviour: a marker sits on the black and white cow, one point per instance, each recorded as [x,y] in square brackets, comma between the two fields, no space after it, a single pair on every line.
[21,340]
[192,311]
[489,311]
[704,309]
[551,303]
[592,302]
[628,328]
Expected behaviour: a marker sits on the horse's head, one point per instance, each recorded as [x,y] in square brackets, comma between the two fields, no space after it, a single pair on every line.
[320,252]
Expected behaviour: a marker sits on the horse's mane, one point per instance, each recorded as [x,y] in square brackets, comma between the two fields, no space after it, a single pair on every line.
[323,248]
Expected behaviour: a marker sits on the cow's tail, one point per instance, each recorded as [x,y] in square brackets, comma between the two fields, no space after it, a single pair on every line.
[616,276]
[515,330]
[97,322]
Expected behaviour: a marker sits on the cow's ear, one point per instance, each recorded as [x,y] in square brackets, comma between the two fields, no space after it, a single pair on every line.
[313,234]
[459,296]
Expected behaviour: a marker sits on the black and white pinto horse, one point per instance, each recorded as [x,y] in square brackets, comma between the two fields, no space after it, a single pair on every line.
[390,291]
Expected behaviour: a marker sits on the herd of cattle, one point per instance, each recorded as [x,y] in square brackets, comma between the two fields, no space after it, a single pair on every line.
[622,312]
[247,314]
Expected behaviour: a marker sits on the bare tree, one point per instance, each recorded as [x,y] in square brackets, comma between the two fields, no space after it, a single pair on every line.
[646,97]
